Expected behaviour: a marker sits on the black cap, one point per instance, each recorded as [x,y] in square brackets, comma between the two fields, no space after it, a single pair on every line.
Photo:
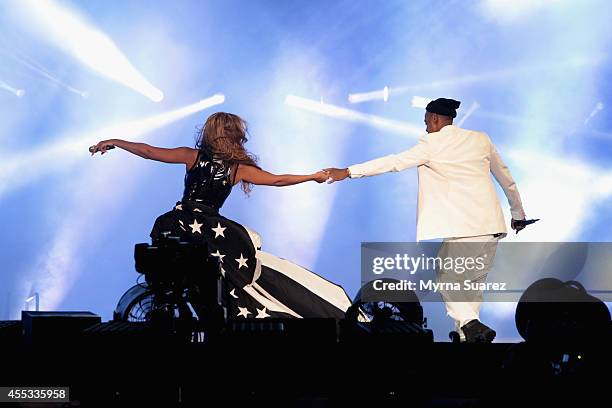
[443,106]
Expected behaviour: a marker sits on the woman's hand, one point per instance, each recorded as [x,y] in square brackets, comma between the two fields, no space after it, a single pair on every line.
[103,146]
[321,176]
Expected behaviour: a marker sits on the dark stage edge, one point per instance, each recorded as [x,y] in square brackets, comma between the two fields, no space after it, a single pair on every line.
[296,373]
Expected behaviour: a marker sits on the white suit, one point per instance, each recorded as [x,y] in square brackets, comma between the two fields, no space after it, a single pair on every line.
[457,201]
[457,197]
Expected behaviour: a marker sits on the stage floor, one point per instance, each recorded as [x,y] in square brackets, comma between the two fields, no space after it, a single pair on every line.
[293,373]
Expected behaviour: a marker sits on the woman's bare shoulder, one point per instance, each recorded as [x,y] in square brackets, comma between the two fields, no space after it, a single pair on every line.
[192,155]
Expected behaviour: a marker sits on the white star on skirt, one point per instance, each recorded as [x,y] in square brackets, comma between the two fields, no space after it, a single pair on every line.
[242,261]
[261,314]
[195,227]
[219,230]
[220,256]
[232,292]
[179,206]
[243,312]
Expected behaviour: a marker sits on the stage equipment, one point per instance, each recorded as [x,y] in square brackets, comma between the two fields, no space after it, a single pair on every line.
[51,328]
[180,279]
[554,312]
[386,315]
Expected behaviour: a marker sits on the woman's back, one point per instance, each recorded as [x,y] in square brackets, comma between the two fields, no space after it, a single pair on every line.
[210,180]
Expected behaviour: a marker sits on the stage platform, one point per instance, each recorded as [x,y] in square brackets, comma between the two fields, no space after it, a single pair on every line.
[131,365]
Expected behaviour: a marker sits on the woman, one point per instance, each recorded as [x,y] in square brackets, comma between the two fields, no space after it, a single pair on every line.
[259,284]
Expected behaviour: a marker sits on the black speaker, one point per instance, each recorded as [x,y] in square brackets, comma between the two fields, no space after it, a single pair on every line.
[551,311]
[42,328]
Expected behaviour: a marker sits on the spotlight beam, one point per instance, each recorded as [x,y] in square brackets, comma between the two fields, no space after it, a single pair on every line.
[386,92]
[18,92]
[45,74]
[407,128]
[468,113]
[17,169]
[67,30]
[598,108]
[379,122]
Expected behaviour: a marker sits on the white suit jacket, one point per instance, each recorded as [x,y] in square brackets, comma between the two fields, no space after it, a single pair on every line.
[457,197]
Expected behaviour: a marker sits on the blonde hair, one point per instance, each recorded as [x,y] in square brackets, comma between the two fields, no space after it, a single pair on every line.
[224,134]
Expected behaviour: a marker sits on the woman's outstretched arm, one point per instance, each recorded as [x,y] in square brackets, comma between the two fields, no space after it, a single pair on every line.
[254,175]
[184,155]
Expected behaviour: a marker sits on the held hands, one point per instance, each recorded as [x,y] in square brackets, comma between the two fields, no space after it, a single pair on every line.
[336,174]
[330,175]
[102,146]
[321,176]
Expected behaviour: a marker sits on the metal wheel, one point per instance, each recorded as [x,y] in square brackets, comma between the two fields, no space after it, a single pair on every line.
[135,305]
[375,311]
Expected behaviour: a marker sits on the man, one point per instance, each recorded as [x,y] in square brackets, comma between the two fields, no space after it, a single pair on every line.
[457,201]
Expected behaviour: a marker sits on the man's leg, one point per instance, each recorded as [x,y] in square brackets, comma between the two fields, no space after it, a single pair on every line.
[463,306]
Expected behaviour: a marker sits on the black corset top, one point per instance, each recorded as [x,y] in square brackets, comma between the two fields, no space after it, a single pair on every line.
[209,181]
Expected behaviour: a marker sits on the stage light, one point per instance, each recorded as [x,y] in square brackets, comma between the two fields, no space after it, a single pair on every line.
[67,30]
[40,70]
[354,116]
[17,92]
[567,64]
[62,152]
[367,96]
[598,108]
[36,298]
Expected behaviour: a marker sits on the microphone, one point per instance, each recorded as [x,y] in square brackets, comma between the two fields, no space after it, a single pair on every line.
[92,149]
[524,223]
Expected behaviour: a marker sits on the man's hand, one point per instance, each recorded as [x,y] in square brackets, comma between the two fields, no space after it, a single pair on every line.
[336,174]
[517,226]
[321,176]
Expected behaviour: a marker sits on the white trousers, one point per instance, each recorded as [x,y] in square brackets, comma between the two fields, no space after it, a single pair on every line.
[464,305]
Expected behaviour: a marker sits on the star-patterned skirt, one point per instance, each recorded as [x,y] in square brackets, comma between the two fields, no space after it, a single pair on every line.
[259,284]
